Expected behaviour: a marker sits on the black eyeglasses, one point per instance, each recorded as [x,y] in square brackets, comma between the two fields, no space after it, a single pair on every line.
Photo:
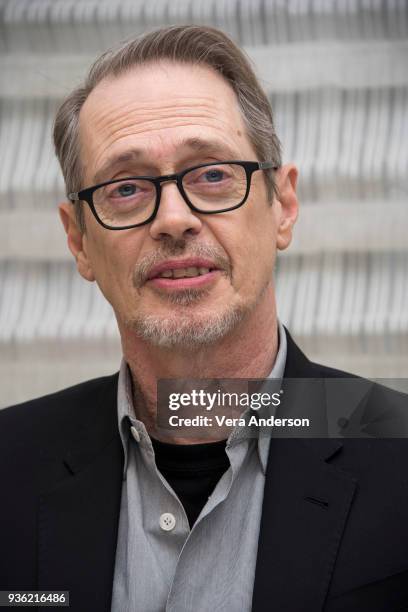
[207,189]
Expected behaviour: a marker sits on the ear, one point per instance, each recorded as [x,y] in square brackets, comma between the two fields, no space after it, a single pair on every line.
[76,240]
[288,204]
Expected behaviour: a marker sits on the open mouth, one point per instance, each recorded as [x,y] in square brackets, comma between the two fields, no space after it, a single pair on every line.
[190,272]
[183,274]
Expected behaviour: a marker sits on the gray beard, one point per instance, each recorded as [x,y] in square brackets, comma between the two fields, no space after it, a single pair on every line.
[186,330]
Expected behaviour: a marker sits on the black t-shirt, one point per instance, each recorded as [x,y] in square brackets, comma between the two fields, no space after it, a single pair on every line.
[192,470]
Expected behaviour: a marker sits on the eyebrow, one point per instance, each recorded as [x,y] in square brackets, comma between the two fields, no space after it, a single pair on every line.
[196,144]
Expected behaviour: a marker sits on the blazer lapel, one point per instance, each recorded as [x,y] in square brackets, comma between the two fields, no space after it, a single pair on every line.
[78,517]
[306,504]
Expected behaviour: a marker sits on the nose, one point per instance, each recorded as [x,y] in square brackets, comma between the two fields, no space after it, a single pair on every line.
[174,217]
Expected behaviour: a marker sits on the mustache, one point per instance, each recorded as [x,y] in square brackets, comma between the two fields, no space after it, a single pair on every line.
[171,248]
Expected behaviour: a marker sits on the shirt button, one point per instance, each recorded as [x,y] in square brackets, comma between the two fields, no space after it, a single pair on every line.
[167,521]
[135,433]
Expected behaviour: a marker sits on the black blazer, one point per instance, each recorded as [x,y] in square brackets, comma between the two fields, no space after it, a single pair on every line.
[334,528]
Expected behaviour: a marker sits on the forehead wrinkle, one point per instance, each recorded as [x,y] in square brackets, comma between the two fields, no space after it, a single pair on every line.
[203,145]
[154,127]
[113,119]
[115,138]
[110,127]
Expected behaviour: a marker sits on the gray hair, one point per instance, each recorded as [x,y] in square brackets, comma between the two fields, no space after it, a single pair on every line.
[190,44]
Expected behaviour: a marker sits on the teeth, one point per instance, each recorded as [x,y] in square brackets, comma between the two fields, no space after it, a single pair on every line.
[183,272]
[166,274]
[191,272]
[180,272]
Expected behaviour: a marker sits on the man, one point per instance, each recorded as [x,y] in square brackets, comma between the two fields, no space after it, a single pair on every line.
[178,205]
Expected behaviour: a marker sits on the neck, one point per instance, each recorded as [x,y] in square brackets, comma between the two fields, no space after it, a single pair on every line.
[249,351]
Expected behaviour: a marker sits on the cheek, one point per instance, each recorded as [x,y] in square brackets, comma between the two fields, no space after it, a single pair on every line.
[113,260]
[251,246]
[259,262]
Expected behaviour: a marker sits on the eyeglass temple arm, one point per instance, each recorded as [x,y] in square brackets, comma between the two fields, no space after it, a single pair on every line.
[266,165]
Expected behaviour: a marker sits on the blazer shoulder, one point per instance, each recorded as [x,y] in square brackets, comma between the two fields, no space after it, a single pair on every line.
[323,371]
[63,408]
[298,365]
[380,394]
[386,409]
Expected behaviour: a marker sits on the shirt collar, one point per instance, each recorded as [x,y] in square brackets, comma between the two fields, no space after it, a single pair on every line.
[276,373]
[127,418]
[259,432]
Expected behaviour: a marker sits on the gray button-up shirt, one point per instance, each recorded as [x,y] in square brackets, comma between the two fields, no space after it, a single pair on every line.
[161,564]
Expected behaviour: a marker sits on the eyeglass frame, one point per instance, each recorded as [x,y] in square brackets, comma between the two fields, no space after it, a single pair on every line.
[86,195]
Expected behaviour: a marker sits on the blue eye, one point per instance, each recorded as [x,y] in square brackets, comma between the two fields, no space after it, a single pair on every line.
[126,190]
[214,175]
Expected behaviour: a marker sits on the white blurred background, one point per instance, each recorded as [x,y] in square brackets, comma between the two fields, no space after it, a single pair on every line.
[337,75]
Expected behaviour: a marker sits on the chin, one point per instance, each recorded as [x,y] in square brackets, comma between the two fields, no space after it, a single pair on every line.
[186,329]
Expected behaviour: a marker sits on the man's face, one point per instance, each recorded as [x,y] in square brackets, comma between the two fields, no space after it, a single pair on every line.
[160,119]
